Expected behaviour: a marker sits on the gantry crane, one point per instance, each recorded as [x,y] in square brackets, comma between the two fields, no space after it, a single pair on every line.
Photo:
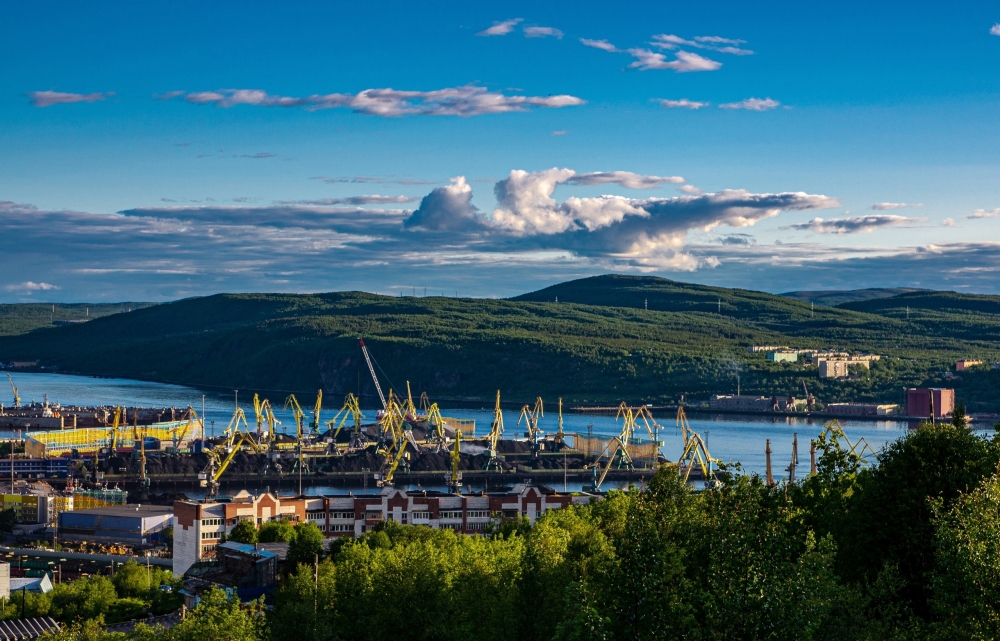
[496,433]
[139,456]
[265,414]
[209,477]
[531,416]
[115,422]
[13,388]
[560,435]
[351,409]
[617,449]
[378,388]
[293,404]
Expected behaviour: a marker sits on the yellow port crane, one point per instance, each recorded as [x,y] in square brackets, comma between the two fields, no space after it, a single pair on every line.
[695,450]
[394,465]
[265,414]
[409,409]
[113,430]
[531,416]
[316,410]
[13,388]
[617,449]
[351,409]
[436,421]
[292,403]
[560,435]
[209,477]
[139,456]
[496,433]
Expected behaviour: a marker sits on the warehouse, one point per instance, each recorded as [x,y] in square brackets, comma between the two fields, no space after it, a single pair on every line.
[122,524]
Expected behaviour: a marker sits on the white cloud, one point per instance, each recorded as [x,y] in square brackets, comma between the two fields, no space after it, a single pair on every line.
[995,29]
[623,178]
[447,208]
[752,104]
[983,213]
[683,103]
[542,32]
[468,100]
[559,132]
[49,98]
[684,61]
[604,45]
[948,222]
[500,28]
[672,42]
[854,225]
[30,286]
[888,206]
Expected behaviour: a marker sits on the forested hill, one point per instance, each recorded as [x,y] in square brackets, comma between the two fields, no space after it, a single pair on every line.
[25,317]
[835,297]
[603,347]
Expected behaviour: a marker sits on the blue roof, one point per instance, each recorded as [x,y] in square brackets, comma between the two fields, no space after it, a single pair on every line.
[40,584]
[246,548]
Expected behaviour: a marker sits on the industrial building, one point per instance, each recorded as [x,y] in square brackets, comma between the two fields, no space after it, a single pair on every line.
[919,401]
[966,364]
[736,403]
[134,525]
[34,468]
[862,409]
[200,524]
[35,506]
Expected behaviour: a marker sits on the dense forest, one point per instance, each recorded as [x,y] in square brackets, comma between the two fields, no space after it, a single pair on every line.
[608,338]
[906,547]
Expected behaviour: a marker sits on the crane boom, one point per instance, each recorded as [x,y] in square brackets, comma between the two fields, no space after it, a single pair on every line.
[13,388]
[316,410]
[378,388]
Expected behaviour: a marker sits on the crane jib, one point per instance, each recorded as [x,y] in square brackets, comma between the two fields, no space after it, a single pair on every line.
[371,369]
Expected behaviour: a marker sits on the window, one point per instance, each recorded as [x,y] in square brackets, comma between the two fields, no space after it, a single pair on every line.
[208,548]
[373,515]
[451,514]
[477,514]
[316,516]
[212,521]
[342,515]
[342,527]
[210,535]
[477,526]
[421,516]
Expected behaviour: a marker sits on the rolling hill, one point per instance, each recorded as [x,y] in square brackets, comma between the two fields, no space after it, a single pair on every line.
[835,297]
[24,317]
[597,344]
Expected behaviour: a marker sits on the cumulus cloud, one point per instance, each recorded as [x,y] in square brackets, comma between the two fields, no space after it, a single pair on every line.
[604,45]
[853,225]
[447,208]
[752,104]
[374,179]
[559,132]
[467,100]
[887,206]
[29,286]
[995,29]
[717,40]
[501,28]
[684,61]
[49,98]
[984,213]
[623,178]
[683,103]
[542,32]
[948,222]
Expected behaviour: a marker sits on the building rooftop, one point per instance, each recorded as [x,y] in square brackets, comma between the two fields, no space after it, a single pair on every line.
[128,510]
[27,628]
[247,548]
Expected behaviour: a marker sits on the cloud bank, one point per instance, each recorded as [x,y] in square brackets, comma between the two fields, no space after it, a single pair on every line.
[500,28]
[49,98]
[465,101]
[854,225]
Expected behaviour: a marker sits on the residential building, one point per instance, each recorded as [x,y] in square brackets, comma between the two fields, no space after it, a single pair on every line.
[966,364]
[26,629]
[36,505]
[783,357]
[754,349]
[134,525]
[918,401]
[200,524]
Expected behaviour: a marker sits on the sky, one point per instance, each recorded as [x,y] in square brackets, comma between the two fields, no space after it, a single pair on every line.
[162,150]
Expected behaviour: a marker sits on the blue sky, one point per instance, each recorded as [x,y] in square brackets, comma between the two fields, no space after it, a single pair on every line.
[152,151]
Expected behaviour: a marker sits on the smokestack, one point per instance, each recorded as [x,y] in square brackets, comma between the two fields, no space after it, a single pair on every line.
[767,453]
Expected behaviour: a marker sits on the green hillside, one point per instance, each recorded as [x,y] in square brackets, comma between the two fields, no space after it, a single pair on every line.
[25,317]
[607,350]
[835,297]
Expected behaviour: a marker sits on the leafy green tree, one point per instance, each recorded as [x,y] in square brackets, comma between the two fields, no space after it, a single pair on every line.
[306,545]
[958,417]
[280,531]
[7,520]
[220,618]
[131,580]
[244,532]
[305,606]
[966,586]
[889,523]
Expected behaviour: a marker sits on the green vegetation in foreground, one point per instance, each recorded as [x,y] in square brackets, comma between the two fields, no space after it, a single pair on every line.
[25,317]
[596,345]
[905,549]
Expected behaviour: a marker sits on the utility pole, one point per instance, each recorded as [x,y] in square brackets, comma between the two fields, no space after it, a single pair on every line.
[767,456]
[645,304]
[203,417]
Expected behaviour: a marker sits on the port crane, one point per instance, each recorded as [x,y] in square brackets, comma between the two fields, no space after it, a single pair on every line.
[695,451]
[617,449]
[217,463]
[351,409]
[368,359]
[530,417]
[13,388]
[265,414]
[292,403]
[317,408]
[496,433]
